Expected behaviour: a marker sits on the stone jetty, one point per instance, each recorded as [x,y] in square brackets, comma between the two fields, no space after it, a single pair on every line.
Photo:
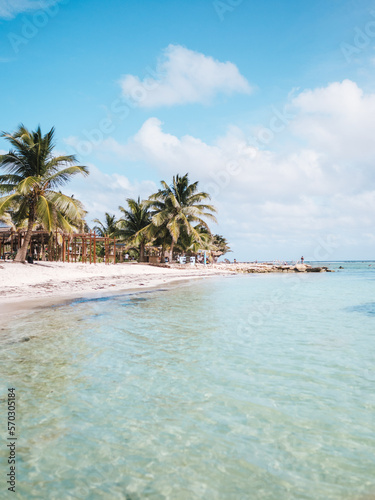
[270,268]
[251,267]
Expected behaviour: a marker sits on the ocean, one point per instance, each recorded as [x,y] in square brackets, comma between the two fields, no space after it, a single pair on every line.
[257,386]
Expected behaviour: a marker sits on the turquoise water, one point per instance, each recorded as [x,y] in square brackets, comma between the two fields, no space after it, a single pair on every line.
[242,387]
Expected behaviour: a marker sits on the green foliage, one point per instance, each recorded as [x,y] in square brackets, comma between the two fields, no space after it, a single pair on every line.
[133,223]
[108,227]
[32,178]
[178,210]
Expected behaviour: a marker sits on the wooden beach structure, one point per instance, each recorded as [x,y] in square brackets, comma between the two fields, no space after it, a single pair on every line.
[62,247]
[86,248]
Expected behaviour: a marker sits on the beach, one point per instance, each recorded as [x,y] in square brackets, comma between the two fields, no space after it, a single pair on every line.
[23,286]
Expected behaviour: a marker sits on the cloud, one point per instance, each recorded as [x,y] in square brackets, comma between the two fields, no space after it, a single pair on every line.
[10,8]
[114,190]
[338,120]
[277,203]
[184,76]
[228,166]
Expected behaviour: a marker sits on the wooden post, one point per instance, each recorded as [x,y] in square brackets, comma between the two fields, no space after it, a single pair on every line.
[90,246]
[94,248]
[63,248]
[75,249]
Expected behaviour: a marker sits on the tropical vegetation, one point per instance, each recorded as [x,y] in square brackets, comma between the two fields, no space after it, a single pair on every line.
[174,219]
[33,176]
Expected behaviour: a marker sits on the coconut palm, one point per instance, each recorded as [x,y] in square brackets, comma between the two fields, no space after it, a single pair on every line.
[178,206]
[136,218]
[7,218]
[219,246]
[188,243]
[106,228]
[33,174]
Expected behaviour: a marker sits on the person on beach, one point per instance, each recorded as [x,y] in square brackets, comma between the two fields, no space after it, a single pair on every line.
[302,260]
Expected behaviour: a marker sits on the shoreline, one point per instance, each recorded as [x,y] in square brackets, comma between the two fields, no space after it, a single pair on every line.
[25,287]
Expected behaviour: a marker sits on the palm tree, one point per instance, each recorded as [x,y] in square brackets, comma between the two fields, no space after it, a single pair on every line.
[188,243]
[179,205]
[8,219]
[133,223]
[108,228]
[219,246]
[33,174]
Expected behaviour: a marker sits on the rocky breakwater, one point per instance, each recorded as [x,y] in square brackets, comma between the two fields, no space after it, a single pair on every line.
[271,268]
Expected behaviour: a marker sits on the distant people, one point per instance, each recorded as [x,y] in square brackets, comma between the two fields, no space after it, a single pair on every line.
[234,261]
[302,260]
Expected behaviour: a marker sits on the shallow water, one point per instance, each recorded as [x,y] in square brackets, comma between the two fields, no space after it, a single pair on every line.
[244,387]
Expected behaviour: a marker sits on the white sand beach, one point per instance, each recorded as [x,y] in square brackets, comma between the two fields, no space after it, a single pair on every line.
[24,286]
[27,285]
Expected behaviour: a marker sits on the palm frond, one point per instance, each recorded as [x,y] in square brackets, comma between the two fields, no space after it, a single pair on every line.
[63,176]
[6,201]
[46,213]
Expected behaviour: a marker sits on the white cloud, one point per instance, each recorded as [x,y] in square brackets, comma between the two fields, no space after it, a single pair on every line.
[338,120]
[114,190]
[184,76]
[228,165]
[10,8]
[277,204]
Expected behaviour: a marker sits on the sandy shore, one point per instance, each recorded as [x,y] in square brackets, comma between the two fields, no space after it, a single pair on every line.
[24,286]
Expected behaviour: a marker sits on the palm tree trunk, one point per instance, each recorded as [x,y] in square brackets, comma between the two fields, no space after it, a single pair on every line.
[171,252]
[21,253]
[162,259]
[142,252]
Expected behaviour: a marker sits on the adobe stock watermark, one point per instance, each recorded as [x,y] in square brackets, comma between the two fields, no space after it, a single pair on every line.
[221,179]
[361,40]
[223,7]
[120,110]
[32,24]
[278,123]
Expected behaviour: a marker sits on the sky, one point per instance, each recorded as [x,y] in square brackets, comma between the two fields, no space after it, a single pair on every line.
[270,105]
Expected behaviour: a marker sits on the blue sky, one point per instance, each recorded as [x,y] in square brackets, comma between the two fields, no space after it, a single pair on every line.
[270,105]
